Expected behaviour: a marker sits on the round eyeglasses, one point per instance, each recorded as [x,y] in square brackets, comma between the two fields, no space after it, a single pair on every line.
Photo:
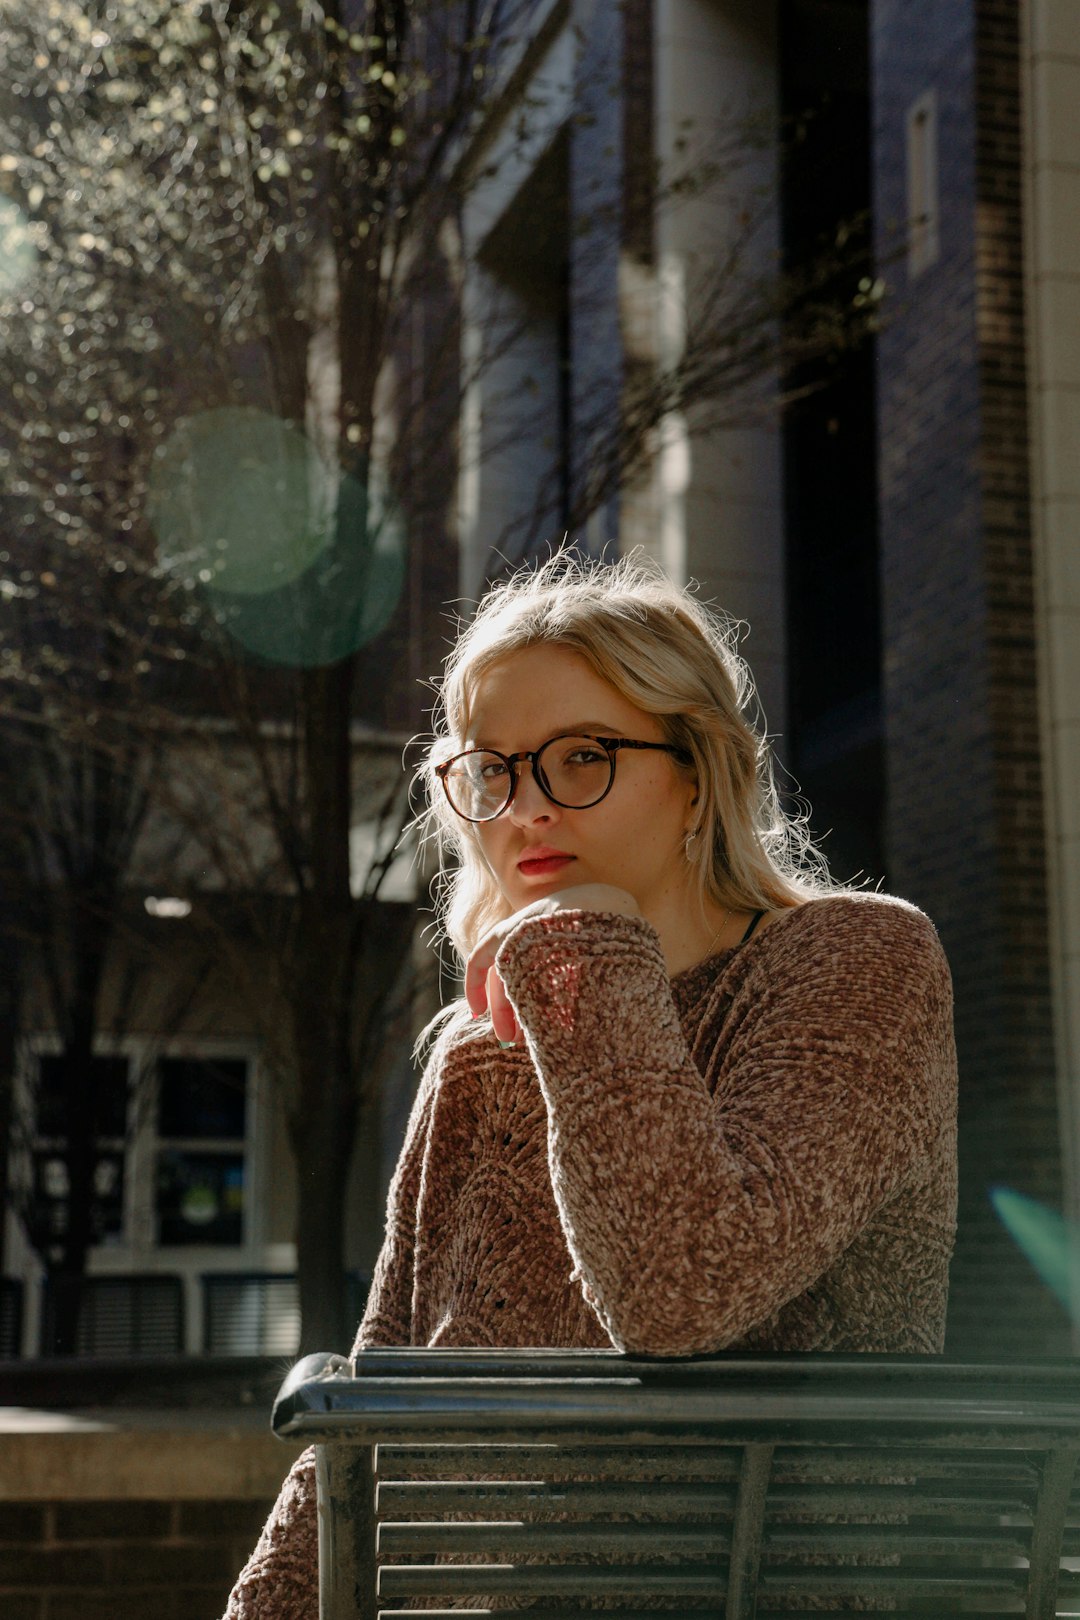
[574,772]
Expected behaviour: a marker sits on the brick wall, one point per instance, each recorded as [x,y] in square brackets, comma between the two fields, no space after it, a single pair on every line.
[123,1560]
[133,1488]
[964,783]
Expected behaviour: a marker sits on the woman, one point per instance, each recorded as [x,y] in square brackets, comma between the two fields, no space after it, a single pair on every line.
[699,1097]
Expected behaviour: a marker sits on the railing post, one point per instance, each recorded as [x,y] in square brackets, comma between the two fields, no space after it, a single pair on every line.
[1044,1568]
[348,1567]
[746,1532]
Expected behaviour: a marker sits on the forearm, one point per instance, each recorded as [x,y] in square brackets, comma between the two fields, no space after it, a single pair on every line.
[693,1217]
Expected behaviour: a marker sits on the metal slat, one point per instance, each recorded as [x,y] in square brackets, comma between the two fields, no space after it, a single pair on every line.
[817,1465]
[398,1498]
[824,1501]
[716,1464]
[968,1612]
[544,1580]
[509,1538]
[886,1541]
[948,1587]
[563,1611]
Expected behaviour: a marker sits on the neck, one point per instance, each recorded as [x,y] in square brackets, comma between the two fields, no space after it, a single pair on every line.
[690,936]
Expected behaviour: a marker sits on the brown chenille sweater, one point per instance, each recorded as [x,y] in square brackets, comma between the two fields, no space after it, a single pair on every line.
[759,1154]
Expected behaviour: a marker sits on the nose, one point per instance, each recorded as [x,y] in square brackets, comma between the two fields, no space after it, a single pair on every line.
[530,803]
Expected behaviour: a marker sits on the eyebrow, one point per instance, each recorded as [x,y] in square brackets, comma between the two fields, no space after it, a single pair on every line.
[577,729]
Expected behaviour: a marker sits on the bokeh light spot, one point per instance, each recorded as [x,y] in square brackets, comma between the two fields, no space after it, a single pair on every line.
[240,500]
[300,565]
[18,255]
[340,603]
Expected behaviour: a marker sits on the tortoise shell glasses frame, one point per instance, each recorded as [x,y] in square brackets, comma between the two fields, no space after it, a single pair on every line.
[474,783]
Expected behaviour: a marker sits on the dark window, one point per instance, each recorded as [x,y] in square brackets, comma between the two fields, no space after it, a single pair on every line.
[200,1171]
[59,1085]
[108,1076]
[202,1099]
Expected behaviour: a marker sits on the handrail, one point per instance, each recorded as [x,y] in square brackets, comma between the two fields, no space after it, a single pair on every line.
[748,1481]
[433,1394]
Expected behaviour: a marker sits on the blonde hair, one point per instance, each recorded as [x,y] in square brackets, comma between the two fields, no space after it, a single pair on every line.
[668,654]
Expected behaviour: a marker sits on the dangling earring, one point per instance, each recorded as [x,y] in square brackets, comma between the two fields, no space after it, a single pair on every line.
[688,844]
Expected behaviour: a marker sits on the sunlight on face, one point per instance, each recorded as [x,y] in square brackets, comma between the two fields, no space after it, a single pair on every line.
[633,839]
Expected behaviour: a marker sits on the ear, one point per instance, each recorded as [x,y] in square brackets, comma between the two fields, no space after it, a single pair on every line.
[692,798]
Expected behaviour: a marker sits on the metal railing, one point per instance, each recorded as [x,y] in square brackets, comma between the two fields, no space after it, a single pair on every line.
[560,1482]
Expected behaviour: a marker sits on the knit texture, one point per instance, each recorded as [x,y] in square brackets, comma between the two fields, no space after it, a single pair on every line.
[759,1154]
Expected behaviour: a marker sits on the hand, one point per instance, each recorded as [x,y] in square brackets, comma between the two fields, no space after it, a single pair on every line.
[484,989]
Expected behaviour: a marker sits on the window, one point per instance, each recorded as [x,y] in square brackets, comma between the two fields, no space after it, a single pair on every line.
[172,1165]
[48,1213]
[922,179]
[201,1130]
[517,449]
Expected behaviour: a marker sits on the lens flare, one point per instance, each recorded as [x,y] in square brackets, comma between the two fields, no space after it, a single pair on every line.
[239,500]
[1045,1238]
[337,606]
[299,565]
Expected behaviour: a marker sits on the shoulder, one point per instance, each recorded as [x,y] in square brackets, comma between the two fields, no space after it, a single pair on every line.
[851,913]
[869,934]
[855,979]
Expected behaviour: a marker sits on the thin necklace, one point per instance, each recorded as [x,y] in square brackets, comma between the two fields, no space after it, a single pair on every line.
[716,936]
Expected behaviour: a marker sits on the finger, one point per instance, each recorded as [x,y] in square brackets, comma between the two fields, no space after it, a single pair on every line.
[476,974]
[503,1017]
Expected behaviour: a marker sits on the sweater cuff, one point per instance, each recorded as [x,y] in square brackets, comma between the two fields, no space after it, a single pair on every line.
[544,949]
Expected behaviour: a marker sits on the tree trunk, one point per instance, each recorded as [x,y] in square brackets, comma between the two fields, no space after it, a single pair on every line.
[66,1272]
[90,924]
[322,1167]
[9,1013]
[323,1126]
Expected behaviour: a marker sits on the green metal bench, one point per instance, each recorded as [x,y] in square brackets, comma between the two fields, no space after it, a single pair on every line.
[557,1482]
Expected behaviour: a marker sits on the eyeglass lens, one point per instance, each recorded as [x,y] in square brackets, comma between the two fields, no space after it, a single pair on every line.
[574,771]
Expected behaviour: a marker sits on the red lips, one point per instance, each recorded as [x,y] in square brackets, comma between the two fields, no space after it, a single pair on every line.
[542,858]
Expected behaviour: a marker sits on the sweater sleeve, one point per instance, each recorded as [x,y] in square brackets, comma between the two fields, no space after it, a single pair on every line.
[691,1216]
[387,1318]
[280,1579]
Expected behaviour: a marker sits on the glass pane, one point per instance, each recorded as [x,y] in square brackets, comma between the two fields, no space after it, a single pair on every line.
[204,1098]
[109,1075]
[199,1198]
[49,1214]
